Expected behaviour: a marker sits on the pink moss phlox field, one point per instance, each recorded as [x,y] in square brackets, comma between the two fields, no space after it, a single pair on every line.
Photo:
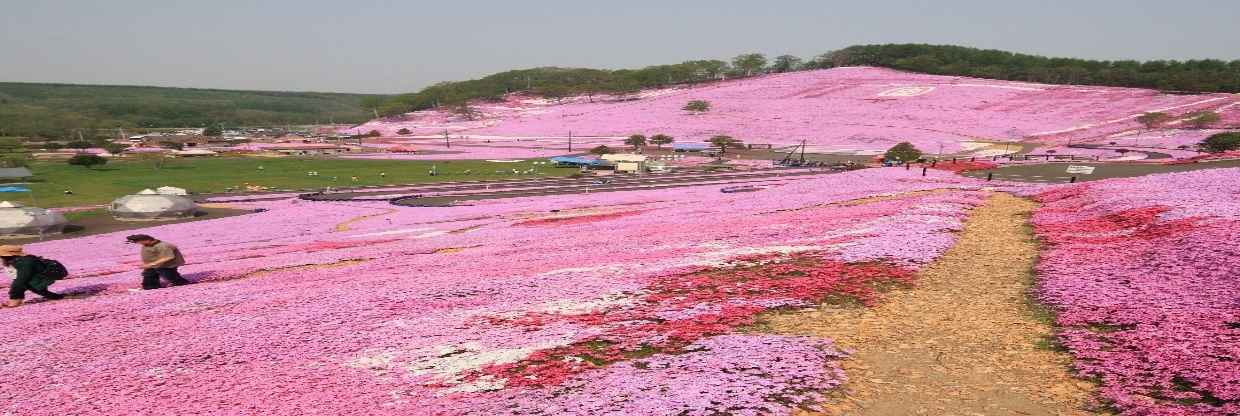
[1143,275]
[738,374]
[366,308]
[851,110]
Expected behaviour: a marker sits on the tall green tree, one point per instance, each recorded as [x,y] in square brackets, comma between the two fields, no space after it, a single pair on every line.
[1203,119]
[636,140]
[749,63]
[661,139]
[903,152]
[600,150]
[1153,120]
[786,63]
[725,142]
[1222,142]
[707,69]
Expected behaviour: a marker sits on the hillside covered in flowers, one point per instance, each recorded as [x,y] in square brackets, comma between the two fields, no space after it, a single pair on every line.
[861,110]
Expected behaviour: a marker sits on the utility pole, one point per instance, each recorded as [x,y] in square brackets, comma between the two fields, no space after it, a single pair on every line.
[446,142]
[570,141]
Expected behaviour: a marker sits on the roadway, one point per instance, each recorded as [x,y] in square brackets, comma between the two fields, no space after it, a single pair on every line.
[1056,172]
[446,194]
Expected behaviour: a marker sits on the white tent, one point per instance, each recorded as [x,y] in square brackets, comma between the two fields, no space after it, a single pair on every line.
[194,152]
[171,190]
[17,220]
[152,206]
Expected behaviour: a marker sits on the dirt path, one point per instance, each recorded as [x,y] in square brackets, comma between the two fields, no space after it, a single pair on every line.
[965,341]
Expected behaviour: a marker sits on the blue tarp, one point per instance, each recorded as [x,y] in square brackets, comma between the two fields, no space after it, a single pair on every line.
[13,189]
[689,146]
[576,161]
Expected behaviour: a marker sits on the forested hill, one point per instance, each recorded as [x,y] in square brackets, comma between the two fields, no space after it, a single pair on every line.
[1173,76]
[53,110]
[1206,75]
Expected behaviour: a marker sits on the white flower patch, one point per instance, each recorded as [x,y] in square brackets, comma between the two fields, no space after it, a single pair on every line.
[448,362]
[578,307]
[906,92]
[381,361]
[445,364]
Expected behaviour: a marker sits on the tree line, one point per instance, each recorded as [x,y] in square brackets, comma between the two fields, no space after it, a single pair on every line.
[1204,75]
[61,111]
[1207,75]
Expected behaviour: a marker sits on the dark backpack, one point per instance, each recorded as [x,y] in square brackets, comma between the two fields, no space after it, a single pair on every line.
[52,268]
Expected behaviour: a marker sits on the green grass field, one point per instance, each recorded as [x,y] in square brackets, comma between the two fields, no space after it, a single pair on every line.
[209,175]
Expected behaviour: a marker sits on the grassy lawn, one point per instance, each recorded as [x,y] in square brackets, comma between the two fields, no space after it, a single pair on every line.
[207,175]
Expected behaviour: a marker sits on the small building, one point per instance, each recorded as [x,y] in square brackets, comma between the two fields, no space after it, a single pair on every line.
[576,161]
[149,205]
[11,174]
[689,147]
[658,166]
[627,163]
[17,221]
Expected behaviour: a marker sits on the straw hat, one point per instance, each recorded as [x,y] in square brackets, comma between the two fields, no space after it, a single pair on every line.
[11,251]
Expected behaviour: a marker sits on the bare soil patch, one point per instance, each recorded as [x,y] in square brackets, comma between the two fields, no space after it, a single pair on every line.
[964,341]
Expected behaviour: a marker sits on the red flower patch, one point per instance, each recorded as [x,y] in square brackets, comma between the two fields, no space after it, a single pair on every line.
[677,310]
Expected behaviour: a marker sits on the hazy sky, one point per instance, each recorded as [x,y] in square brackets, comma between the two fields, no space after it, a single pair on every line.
[400,46]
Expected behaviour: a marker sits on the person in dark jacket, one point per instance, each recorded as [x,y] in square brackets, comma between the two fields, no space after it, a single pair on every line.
[27,273]
[159,259]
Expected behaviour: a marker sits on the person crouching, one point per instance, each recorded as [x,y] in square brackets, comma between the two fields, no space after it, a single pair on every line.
[159,259]
[30,273]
